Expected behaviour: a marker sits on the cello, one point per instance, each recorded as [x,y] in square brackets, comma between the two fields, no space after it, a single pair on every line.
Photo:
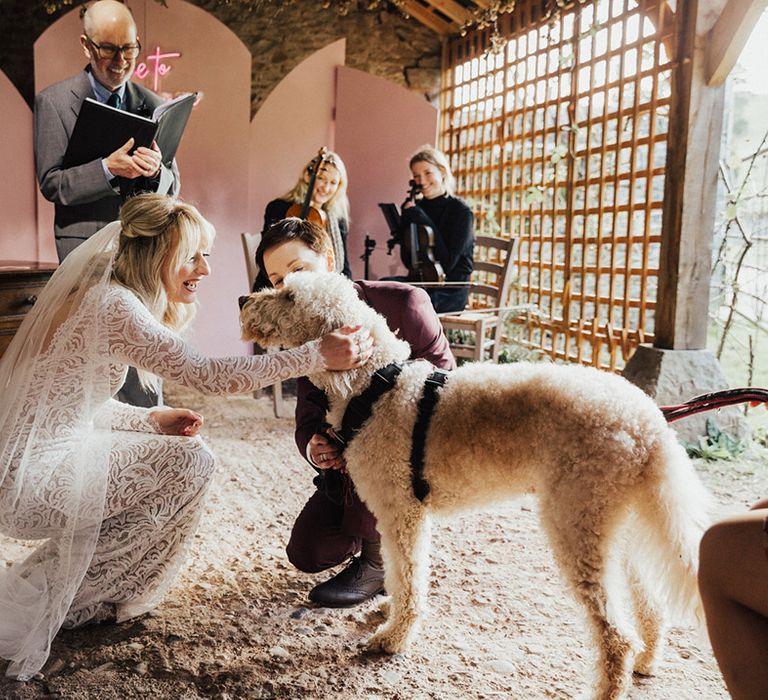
[418,247]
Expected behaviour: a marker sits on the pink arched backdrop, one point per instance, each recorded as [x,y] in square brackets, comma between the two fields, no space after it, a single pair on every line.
[372,123]
[378,127]
[18,239]
[295,120]
[213,157]
[232,166]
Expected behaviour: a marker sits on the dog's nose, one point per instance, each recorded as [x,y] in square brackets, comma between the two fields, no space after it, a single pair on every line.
[241,301]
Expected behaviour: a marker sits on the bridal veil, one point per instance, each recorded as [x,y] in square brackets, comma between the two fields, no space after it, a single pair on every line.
[62,336]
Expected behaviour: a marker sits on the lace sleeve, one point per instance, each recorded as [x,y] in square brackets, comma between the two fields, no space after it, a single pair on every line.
[137,338]
[117,415]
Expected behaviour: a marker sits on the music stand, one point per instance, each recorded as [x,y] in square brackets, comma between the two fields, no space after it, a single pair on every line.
[392,216]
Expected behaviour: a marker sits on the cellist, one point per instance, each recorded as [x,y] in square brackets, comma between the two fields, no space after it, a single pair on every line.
[328,205]
[451,221]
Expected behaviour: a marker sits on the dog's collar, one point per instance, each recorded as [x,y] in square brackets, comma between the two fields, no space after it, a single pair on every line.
[360,407]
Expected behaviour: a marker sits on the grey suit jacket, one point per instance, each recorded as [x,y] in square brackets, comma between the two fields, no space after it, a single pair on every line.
[83,198]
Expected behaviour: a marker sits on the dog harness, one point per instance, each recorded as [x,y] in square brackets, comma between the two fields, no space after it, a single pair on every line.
[360,408]
[426,408]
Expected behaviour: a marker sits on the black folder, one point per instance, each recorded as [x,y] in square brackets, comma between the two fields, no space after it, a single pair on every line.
[173,117]
[101,130]
[392,215]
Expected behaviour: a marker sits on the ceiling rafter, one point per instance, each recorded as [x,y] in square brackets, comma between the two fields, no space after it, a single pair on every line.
[428,18]
[729,35]
[450,8]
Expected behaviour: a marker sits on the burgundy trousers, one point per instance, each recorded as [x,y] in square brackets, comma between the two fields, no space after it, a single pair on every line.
[326,533]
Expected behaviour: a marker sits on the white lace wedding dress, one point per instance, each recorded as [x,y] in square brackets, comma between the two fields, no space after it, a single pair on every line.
[116,501]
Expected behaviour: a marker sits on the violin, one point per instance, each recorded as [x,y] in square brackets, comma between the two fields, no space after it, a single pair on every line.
[305,210]
[418,247]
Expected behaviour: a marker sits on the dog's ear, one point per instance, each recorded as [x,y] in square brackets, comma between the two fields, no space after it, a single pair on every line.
[259,315]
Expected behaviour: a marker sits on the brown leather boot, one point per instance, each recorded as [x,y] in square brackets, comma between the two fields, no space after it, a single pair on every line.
[359,581]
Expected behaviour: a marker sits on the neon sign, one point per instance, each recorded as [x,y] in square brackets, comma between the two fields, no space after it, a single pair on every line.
[159,68]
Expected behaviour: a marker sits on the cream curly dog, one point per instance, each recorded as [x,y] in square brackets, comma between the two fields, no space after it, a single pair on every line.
[619,499]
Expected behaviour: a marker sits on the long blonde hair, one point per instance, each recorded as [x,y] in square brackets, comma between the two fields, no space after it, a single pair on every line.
[338,205]
[159,233]
[429,154]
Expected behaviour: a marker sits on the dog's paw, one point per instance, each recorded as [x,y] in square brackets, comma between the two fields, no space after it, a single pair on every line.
[645,664]
[385,641]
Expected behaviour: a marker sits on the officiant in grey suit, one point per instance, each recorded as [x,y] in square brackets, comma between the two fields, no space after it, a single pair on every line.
[88,196]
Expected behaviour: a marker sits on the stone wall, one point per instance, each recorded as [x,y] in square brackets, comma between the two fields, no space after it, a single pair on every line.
[21,22]
[279,35]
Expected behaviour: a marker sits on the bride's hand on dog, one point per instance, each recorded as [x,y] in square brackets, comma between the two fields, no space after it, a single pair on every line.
[346,348]
[177,421]
[325,453]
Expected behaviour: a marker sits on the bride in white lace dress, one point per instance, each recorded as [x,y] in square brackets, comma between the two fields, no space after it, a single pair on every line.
[114,491]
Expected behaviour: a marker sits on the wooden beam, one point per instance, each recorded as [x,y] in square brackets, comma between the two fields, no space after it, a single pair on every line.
[727,38]
[690,188]
[484,4]
[423,15]
[452,9]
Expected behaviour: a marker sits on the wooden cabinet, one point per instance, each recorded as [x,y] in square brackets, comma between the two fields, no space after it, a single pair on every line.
[20,284]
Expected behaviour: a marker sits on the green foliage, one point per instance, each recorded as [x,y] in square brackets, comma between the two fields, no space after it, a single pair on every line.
[717,444]
[459,337]
[510,352]
[560,152]
[533,195]
[517,353]
[593,30]
[486,216]
[507,355]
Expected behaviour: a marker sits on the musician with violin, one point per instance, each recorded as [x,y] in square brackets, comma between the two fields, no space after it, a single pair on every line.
[444,238]
[320,196]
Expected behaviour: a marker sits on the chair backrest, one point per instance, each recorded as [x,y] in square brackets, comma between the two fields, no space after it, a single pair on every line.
[493,272]
[250,242]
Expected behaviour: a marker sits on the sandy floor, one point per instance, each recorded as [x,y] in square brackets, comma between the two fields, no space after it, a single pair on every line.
[236,625]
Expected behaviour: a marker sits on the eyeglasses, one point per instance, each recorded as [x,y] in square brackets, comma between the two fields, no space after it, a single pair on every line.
[129,51]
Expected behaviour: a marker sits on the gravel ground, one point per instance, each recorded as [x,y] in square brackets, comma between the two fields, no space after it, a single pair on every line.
[237,623]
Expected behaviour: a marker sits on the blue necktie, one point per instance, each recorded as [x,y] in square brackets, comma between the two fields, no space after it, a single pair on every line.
[114,100]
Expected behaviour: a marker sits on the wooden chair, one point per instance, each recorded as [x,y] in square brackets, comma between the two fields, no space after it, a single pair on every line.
[250,242]
[488,294]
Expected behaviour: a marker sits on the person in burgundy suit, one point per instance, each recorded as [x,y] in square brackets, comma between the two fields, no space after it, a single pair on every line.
[334,525]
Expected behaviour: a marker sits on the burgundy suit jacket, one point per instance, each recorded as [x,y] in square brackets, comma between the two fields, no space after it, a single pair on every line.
[409,313]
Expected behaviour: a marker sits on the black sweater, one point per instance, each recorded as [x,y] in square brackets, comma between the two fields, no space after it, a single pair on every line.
[452,222]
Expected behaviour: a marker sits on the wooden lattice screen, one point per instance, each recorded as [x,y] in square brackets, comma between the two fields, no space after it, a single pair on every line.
[560,139]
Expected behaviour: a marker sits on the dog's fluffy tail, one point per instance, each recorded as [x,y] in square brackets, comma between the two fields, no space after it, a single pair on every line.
[674,510]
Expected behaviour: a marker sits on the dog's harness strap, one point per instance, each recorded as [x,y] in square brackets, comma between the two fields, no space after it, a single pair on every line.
[432,384]
[360,407]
